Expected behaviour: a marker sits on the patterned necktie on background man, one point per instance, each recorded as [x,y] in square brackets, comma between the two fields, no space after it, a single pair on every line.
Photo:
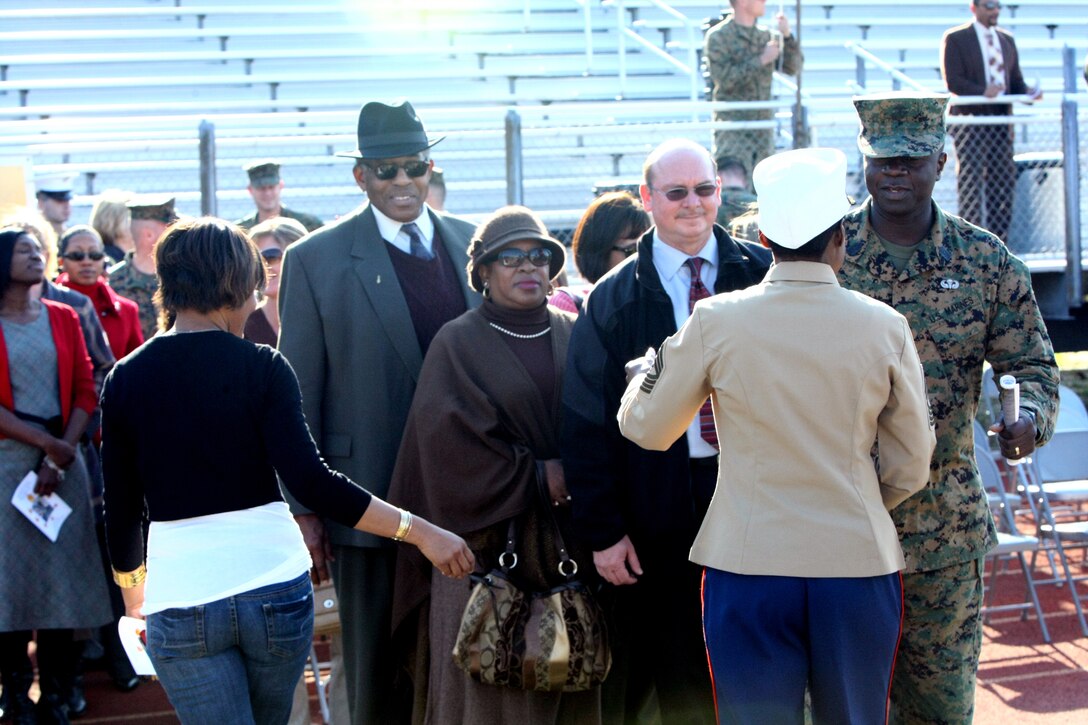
[995,62]
[416,246]
[698,292]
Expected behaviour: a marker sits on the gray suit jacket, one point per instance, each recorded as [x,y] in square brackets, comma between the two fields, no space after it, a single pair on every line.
[348,334]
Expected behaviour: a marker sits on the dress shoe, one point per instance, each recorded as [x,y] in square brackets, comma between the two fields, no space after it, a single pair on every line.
[126,684]
[77,703]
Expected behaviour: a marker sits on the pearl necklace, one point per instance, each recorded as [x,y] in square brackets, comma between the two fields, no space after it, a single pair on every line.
[519,336]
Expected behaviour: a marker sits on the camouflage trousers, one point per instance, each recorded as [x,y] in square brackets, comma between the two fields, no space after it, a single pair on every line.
[934,681]
[748,147]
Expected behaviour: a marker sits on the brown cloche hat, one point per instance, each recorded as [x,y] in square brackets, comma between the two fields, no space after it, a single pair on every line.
[386,132]
[507,225]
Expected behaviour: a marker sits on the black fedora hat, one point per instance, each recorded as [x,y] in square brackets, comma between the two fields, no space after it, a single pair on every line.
[386,132]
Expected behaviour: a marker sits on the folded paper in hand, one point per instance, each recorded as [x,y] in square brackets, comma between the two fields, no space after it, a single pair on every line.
[47,513]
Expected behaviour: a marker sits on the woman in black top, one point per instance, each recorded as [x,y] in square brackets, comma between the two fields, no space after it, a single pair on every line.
[197,424]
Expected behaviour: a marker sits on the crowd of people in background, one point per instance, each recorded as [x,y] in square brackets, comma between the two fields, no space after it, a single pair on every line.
[227,406]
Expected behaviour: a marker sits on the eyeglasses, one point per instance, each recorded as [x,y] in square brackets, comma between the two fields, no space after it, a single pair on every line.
[991,6]
[628,250]
[414,169]
[272,254]
[680,193]
[78,256]
[539,257]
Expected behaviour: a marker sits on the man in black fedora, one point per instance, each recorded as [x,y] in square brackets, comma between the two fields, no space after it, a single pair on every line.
[360,301]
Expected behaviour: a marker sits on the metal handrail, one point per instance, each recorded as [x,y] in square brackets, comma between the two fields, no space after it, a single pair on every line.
[692,66]
[862,55]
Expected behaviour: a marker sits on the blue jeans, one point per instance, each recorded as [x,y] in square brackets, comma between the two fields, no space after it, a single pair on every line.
[235,660]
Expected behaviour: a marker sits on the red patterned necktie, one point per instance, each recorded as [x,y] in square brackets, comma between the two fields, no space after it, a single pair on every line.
[995,63]
[698,291]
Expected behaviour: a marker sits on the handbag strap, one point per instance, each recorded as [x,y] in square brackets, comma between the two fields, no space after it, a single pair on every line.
[508,559]
[568,567]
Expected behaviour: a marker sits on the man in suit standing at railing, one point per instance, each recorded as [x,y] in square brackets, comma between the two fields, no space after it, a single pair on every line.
[741,58]
[978,59]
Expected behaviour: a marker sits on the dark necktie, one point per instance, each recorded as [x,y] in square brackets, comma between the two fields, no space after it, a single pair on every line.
[416,247]
[698,291]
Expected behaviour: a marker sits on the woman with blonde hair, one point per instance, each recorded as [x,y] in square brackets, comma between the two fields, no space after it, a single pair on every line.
[111,218]
[272,237]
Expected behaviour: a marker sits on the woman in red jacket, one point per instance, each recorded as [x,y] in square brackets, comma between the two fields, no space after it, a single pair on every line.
[82,263]
[46,400]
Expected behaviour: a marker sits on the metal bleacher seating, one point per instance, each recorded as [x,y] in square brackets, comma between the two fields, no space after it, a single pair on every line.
[115,89]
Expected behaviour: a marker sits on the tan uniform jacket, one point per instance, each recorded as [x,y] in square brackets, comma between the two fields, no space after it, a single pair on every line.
[804,377]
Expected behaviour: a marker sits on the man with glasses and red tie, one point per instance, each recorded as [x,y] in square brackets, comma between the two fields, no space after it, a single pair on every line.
[360,301]
[980,59]
[639,510]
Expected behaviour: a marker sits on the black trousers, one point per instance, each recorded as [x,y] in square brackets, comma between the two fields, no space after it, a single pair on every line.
[985,175]
[658,652]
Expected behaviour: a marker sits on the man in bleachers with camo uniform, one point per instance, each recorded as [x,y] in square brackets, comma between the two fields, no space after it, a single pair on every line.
[134,276]
[741,58]
[968,301]
[266,186]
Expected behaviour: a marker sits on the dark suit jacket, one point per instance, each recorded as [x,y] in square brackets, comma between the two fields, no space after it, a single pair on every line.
[965,75]
[347,332]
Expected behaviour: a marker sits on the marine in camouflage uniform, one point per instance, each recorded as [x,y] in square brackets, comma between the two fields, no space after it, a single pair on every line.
[967,300]
[307,220]
[732,55]
[735,202]
[139,287]
[265,186]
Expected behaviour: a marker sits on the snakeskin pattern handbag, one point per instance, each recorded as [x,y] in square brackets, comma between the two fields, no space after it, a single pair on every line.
[554,640]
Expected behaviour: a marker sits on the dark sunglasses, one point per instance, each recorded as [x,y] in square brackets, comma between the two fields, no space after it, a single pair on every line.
[414,169]
[272,254]
[539,257]
[991,6]
[681,192]
[78,256]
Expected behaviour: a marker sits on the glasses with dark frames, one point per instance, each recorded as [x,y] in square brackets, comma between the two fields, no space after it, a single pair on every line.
[679,193]
[79,256]
[414,169]
[627,251]
[538,257]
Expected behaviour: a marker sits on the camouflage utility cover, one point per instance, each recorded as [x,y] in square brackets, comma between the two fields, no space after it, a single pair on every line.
[900,124]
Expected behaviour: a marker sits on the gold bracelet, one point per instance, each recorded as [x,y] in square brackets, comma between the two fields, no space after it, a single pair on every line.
[130,579]
[405,525]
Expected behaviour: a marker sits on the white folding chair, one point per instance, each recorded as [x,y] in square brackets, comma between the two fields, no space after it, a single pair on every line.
[1011,542]
[1072,415]
[1055,483]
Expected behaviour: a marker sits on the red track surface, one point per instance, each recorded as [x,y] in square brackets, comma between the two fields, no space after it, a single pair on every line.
[1021,680]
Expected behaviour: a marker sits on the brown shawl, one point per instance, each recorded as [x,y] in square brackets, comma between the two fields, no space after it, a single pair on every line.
[468,462]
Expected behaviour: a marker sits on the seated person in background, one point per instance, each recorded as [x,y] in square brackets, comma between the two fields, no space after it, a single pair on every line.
[271,236]
[736,199]
[436,190]
[203,463]
[607,234]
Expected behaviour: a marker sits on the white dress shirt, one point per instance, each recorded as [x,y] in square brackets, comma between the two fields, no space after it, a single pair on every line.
[393,233]
[675,274]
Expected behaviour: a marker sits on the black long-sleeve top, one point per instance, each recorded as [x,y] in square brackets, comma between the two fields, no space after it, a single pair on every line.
[200,423]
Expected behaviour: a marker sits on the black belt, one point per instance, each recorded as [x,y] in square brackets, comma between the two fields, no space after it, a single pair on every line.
[706,462]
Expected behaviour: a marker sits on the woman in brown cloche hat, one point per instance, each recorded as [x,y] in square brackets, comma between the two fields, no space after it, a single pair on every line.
[481,448]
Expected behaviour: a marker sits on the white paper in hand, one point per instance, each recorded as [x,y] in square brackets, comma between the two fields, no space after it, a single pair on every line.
[133,634]
[45,512]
